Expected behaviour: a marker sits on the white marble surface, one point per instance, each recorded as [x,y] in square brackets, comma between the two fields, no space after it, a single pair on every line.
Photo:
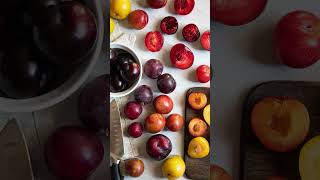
[185,78]
[242,59]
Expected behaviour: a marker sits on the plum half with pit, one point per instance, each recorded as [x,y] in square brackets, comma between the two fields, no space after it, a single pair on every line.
[154,41]
[183,7]
[94,103]
[68,32]
[181,56]
[166,83]
[191,33]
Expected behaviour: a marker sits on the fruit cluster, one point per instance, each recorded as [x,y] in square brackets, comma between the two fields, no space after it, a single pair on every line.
[159,146]
[40,45]
[198,128]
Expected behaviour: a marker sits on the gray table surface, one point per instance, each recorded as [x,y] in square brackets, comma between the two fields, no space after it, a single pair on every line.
[242,58]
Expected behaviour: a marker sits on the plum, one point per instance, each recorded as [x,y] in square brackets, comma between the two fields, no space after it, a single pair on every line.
[138,19]
[143,94]
[191,33]
[154,41]
[157,4]
[166,83]
[135,130]
[183,7]
[169,25]
[68,32]
[94,103]
[132,110]
[159,147]
[153,68]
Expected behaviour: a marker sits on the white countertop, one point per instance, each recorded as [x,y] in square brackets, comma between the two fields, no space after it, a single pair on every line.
[242,59]
[185,78]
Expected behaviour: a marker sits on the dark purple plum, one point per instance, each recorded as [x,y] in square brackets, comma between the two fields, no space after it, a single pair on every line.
[143,94]
[73,153]
[153,68]
[124,60]
[132,110]
[132,73]
[166,83]
[68,32]
[24,75]
[158,147]
[117,83]
[113,56]
[94,103]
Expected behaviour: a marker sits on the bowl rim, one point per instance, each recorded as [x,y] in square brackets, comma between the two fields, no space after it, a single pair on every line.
[67,88]
[138,60]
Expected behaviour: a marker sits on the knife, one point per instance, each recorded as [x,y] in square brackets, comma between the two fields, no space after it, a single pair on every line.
[14,153]
[116,140]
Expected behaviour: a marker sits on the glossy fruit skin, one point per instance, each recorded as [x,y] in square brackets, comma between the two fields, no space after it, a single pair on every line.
[68,32]
[169,25]
[205,40]
[113,56]
[166,83]
[154,41]
[236,13]
[175,122]
[157,4]
[181,56]
[296,39]
[153,68]
[120,9]
[132,110]
[117,84]
[183,7]
[138,19]
[154,123]
[158,147]
[73,153]
[134,167]
[132,73]
[94,103]
[143,94]
[203,74]
[24,75]
[163,104]
[191,33]
[173,167]
[135,130]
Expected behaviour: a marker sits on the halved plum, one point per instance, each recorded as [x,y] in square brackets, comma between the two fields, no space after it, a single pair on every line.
[191,32]
[183,7]
[169,25]
[154,41]
[181,56]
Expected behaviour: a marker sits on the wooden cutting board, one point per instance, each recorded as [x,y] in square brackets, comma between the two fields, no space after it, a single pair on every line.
[196,169]
[258,163]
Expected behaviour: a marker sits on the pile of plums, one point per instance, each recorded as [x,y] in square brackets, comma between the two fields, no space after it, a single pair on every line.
[42,44]
[125,70]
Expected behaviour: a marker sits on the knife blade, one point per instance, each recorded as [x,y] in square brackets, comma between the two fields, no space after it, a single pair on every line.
[14,153]
[116,140]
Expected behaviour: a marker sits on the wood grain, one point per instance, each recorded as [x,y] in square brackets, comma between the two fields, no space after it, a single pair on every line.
[196,169]
[259,163]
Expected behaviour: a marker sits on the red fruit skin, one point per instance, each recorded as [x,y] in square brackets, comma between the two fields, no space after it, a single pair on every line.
[134,167]
[154,41]
[236,12]
[155,123]
[138,19]
[296,40]
[157,4]
[203,73]
[159,147]
[184,7]
[163,104]
[132,110]
[169,25]
[191,33]
[175,122]
[135,130]
[181,56]
[205,40]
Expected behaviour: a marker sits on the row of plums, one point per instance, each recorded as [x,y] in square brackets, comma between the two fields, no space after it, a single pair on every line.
[41,44]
